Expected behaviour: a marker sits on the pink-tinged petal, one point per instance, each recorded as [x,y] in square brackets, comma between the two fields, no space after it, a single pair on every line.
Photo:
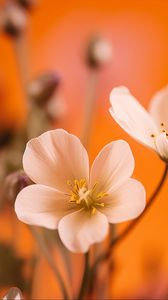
[13,294]
[79,230]
[159,107]
[54,158]
[113,165]
[126,203]
[161,142]
[131,116]
[41,205]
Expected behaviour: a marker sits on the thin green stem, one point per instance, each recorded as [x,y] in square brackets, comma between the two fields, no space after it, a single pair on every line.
[44,249]
[114,242]
[85,278]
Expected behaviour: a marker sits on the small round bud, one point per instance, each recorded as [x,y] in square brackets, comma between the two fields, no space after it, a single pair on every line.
[13,19]
[26,4]
[55,109]
[42,88]
[14,183]
[99,52]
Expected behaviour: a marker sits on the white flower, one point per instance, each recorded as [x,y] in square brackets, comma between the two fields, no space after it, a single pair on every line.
[66,197]
[149,128]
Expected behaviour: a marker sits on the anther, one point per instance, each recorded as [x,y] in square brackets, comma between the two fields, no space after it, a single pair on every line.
[93,210]
[152,135]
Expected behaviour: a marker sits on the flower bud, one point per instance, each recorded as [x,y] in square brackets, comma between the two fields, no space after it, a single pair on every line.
[13,294]
[14,183]
[26,4]
[13,19]
[55,109]
[99,52]
[42,88]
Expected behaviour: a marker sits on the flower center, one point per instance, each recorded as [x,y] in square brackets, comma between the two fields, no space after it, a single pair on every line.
[88,199]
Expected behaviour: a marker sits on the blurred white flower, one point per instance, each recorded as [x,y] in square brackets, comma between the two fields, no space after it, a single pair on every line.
[149,128]
[67,197]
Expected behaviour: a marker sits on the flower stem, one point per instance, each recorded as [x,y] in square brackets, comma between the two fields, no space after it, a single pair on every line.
[44,249]
[114,242]
[20,49]
[89,106]
[84,282]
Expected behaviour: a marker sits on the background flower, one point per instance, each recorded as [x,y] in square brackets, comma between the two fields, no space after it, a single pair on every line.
[149,128]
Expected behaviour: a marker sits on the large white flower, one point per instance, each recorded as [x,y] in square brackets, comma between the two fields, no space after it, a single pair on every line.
[66,197]
[149,128]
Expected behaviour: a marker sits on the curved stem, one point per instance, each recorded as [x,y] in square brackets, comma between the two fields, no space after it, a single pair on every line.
[84,282]
[130,227]
[44,249]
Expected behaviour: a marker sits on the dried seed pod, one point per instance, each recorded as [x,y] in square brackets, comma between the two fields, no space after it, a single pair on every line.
[42,88]
[99,52]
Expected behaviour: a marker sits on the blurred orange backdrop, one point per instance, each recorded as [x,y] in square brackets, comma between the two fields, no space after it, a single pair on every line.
[58,32]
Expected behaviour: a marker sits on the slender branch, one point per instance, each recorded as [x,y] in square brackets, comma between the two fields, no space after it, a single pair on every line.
[129,228]
[84,282]
[44,249]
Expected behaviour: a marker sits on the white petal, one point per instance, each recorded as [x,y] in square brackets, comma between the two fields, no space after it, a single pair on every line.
[125,203]
[55,157]
[131,116]
[161,142]
[79,230]
[13,294]
[113,165]
[41,205]
[159,107]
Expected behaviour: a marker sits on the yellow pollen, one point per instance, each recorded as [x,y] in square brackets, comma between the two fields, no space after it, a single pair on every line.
[88,199]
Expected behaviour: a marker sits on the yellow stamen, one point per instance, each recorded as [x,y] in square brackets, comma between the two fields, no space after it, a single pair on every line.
[84,197]
[93,210]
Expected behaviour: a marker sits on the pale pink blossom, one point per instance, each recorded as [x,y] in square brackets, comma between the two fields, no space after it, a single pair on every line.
[148,127]
[66,197]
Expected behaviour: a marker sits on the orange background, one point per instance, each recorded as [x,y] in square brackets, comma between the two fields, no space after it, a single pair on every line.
[58,31]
